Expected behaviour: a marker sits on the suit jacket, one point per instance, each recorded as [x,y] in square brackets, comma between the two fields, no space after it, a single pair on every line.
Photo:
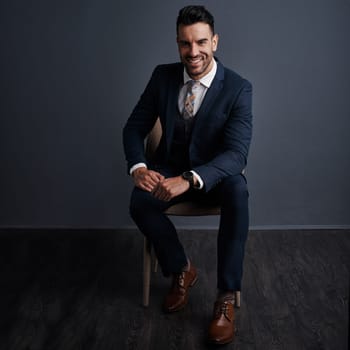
[221,134]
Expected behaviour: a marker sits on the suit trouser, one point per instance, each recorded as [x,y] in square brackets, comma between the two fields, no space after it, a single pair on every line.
[232,196]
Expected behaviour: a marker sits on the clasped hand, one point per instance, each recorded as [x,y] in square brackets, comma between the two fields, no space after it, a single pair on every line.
[161,188]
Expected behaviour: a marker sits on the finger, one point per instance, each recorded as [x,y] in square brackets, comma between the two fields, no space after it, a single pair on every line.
[160,177]
[156,192]
[148,187]
[159,193]
[166,195]
[152,179]
[156,176]
[144,186]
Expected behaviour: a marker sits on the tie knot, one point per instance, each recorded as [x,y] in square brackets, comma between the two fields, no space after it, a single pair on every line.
[193,83]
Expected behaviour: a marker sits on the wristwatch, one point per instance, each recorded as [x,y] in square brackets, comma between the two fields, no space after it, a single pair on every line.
[188,176]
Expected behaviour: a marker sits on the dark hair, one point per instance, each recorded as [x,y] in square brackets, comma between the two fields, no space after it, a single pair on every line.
[194,14]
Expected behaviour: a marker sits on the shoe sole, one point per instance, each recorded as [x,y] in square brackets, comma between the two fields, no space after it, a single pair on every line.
[214,342]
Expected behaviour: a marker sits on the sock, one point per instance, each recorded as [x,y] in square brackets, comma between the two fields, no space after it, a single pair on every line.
[226,295]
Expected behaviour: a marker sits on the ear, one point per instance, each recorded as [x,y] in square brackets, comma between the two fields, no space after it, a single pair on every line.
[215,41]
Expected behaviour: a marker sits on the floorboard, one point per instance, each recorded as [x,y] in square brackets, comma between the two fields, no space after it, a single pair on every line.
[81,290]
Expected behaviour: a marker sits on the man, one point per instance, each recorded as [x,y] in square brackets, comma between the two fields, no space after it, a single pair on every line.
[205,113]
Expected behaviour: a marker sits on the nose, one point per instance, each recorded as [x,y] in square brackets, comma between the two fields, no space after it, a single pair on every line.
[194,50]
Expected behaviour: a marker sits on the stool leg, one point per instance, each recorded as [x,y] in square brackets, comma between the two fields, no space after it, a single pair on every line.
[238,298]
[155,264]
[147,260]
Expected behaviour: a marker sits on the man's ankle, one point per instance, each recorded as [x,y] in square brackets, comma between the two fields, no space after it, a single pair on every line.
[224,295]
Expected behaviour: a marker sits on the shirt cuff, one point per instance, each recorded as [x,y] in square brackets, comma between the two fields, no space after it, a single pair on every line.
[199,179]
[136,166]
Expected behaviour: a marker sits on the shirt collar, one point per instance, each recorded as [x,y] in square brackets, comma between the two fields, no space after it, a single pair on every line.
[207,79]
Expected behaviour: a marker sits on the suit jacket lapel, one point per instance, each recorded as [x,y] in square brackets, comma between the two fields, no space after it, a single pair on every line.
[176,82]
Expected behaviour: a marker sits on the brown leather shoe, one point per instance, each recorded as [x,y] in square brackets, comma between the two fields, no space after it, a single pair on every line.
[222,326]
[177,297]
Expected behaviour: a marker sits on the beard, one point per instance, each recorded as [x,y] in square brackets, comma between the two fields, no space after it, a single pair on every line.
[197,66]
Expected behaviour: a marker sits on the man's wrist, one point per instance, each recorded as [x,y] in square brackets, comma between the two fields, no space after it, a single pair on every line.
[188,176]
[137,166]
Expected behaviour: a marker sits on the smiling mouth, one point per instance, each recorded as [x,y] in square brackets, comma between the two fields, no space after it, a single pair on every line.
[194,61]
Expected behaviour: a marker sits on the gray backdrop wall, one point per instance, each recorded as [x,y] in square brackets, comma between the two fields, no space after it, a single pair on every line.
[71,71]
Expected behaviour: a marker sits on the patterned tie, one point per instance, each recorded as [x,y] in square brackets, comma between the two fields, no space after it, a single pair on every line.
[189,100]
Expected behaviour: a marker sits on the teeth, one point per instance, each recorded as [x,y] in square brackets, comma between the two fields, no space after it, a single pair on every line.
[194,61]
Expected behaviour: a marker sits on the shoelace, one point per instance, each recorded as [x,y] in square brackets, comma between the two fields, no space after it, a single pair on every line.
[179,281]
[223,310]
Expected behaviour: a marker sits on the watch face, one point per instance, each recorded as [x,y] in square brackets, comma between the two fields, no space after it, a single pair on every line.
[187,175]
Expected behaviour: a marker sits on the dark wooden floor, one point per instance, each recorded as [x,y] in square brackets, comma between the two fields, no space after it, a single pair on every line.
[82,290]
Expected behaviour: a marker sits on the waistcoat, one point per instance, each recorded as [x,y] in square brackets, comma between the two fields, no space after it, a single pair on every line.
[179,151]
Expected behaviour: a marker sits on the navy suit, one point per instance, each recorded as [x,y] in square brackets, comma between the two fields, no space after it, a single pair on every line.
[217,151]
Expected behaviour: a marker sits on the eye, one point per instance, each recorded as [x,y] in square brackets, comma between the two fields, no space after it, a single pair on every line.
[184,44]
